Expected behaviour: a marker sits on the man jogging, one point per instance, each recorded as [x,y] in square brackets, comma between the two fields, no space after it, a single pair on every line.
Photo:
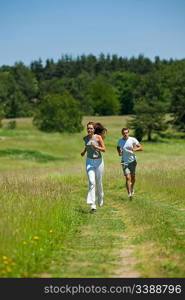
[127,146]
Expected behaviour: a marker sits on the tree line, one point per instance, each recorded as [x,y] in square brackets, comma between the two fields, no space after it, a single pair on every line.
[65,90]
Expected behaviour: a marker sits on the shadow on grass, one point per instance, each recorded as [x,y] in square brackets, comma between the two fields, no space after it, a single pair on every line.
[124,199]
[119,198]
[30,155]
[83,211]
[164,138]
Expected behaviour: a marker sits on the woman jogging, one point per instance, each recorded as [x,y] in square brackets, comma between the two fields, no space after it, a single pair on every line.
[126,147]
[94,145]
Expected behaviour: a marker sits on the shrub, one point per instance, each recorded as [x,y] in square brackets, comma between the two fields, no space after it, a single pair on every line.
[58,113]
[12,125]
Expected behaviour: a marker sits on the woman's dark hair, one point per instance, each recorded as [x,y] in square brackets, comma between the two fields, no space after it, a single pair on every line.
[100,129]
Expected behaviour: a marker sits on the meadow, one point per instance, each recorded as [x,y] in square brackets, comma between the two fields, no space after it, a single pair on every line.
[46,228]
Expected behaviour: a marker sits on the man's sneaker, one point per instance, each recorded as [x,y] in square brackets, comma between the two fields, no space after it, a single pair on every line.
[132,191]
[130,196]
[100,203]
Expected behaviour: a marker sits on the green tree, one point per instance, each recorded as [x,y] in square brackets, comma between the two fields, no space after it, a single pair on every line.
[178,107]
[178,102]
[105,97]
[5,80]
[58,113]
[150,107]
[141,65]
[26,81]
[126,83]
[52,86]
[81,92]
[11,98]
[2,114]
[18,106]
[50,69]
[149,118]
[37,68]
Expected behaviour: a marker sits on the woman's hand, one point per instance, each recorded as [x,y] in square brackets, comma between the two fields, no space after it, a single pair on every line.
[83,153]
[94,145]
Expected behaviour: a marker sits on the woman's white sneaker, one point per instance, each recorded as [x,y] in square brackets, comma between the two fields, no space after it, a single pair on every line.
[93,207]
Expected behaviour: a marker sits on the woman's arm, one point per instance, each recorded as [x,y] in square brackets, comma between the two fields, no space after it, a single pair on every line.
[85,149]
[83,153]
[101,146]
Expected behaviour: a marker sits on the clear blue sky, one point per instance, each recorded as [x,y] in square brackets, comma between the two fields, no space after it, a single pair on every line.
[33,29]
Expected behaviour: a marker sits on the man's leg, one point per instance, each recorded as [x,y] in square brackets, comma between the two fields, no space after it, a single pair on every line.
[133,179]
[128,183]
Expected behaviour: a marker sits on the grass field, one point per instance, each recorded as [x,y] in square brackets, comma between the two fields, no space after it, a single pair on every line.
[46,228]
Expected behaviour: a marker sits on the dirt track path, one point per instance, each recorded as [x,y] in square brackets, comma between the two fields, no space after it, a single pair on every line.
[102,247]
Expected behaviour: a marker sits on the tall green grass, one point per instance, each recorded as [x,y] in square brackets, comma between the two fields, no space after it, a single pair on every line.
[45,225]
[37,216]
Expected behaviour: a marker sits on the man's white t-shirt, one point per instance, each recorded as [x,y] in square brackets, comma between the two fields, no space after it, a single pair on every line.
[128,156]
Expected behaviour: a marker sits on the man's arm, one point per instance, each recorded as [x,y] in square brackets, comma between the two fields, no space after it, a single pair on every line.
[138,148]
[119,150]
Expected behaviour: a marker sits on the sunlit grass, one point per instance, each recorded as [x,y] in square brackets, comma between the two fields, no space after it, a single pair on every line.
[36,217]
[44,220]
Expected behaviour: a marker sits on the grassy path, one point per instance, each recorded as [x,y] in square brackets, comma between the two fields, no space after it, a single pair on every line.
[102,245]
[139,238]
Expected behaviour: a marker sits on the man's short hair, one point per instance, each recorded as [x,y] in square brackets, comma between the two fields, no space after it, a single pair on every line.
[123,129]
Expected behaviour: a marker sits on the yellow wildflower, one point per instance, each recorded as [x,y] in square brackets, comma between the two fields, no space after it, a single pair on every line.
[36,238]
[8,269]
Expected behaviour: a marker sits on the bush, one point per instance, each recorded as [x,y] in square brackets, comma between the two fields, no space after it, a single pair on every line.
[58,113]
[12,125]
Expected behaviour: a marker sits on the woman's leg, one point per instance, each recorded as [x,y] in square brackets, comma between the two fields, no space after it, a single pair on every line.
[91,177]
[99,185]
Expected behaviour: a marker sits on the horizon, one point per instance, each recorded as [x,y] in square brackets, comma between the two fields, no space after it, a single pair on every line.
[74,58]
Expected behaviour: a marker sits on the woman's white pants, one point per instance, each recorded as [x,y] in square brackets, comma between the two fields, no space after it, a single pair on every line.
[95,168]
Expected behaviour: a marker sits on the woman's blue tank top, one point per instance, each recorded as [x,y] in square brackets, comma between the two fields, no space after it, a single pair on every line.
[91,151]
